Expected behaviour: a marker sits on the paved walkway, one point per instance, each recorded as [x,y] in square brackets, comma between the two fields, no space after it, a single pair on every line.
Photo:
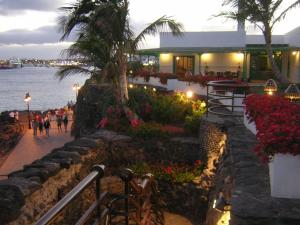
[32,147]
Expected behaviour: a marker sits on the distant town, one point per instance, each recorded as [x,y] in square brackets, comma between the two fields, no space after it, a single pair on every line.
[17,63]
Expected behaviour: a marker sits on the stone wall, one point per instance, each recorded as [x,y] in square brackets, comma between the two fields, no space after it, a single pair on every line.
[31,192]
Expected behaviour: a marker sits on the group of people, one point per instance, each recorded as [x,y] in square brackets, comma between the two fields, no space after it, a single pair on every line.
[44,123]
[39,123]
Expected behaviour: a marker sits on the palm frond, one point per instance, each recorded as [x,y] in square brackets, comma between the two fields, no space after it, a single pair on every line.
[66,71]
[162,24]
[284,12]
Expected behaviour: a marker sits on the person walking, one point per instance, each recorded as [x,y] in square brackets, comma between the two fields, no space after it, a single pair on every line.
[41,125]
[65,120]
[47,125]
[59,121]
[35,125]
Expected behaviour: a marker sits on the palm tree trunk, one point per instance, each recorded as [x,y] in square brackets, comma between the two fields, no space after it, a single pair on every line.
[122,78]
[275,68]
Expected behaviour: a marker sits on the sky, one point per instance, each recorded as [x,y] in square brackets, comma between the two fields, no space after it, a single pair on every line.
[28,28]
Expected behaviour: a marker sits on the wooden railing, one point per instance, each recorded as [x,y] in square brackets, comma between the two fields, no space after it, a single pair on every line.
[135,201]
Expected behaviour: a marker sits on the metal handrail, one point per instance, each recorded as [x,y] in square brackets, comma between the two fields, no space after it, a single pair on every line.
[213,104]
[137,195]
[96,174]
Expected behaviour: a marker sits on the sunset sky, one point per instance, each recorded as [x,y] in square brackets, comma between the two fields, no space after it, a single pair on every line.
[28,28]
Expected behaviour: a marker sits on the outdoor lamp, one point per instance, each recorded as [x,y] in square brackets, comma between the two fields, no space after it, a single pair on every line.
[27,99]
[292,92]
[154,89]
[270,87]
[220,204]
[130,85]
[145,87]
[189,94]
[76,88]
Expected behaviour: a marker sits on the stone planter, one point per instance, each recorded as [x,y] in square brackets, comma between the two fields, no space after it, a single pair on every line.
[284,172]
[249,125]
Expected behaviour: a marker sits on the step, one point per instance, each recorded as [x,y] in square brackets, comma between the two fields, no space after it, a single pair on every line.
[175,219]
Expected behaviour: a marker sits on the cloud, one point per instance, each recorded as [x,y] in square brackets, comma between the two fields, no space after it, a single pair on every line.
[39,51]
[17,6]
[46,34]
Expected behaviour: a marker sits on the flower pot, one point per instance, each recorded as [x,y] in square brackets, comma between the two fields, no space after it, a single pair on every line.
[249,125]
[284,172]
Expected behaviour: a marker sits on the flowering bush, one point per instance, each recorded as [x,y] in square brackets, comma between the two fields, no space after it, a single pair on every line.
[172,172]
[278,125]
[146,130]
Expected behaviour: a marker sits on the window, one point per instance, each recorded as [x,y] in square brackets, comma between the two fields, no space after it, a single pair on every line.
[182,64]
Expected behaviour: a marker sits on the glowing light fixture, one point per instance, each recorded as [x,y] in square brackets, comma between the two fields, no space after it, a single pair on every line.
[294,52]
[177,58]
[220,204]
[76,88]
[145,87]
[239,56]
[270,87]
[27,100]
[130,85]
[189,94]
[165,57]
[292,92]
[154,89]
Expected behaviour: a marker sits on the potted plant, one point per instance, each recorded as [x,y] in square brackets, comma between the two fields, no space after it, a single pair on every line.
[278,134]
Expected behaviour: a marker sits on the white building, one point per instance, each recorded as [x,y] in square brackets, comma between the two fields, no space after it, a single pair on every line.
[232,53]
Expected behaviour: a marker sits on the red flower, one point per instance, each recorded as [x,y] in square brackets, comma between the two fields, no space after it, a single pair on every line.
[103,122]
[168,170]
[277,123]
[135,123]
[198,162]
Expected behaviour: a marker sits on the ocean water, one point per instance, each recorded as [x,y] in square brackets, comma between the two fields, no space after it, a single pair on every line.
[45,89]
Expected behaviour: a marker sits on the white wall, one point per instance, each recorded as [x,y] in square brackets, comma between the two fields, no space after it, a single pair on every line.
[166,63]
[203,39]
[221,62]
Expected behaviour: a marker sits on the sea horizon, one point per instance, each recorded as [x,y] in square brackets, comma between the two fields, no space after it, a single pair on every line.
[45,89]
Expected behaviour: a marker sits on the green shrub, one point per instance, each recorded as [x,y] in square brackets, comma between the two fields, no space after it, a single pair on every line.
[147,130]
[140,102]
[167,109]
[192,121]
[172,172]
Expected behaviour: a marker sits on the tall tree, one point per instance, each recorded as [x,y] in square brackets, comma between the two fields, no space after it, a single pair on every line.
[264,14]
[108,20]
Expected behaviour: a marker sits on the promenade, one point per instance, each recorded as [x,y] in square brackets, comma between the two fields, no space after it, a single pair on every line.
[32,147]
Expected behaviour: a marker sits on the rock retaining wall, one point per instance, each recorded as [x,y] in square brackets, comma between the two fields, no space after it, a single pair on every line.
[29,193]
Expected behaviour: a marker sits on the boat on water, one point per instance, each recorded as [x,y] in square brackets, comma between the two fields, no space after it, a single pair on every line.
[12,63]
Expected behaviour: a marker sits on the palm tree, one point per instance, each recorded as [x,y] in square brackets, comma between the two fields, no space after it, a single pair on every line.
[264,14]
[108,21]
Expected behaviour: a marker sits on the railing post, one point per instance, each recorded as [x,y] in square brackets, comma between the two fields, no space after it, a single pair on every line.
[126,175]
[207,86]
[232,100]
[100,170]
